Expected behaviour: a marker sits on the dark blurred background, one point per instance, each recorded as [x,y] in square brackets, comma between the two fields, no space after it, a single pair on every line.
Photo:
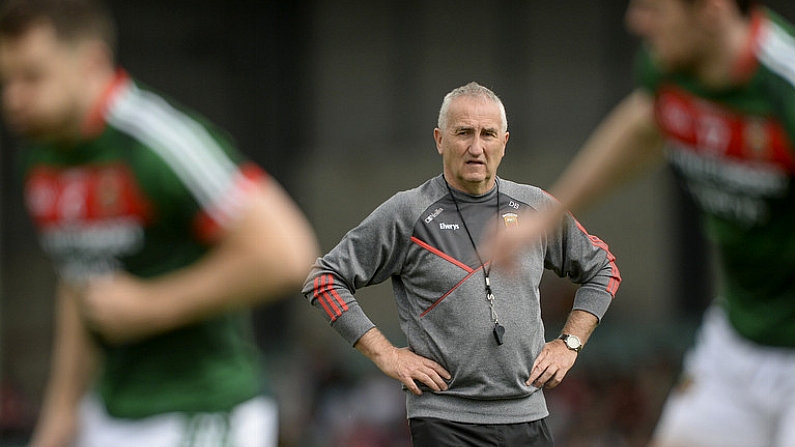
[338,101]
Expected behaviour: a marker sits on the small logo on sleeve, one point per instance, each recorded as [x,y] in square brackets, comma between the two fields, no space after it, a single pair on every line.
[444,226]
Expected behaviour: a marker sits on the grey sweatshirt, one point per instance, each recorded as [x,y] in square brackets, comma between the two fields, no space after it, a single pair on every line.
[417,239]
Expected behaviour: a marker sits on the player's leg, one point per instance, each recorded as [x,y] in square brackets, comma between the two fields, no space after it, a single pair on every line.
[255,423]
[703,416]
[716,404]
[786,428]
[784,391]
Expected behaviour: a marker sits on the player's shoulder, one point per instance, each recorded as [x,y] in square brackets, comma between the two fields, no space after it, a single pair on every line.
[156,119]
[773,20]
[776,44]
[530,195]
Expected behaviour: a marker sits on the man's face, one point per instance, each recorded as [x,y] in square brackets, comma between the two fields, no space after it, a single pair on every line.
[674,30]
[41,79]
[472,144]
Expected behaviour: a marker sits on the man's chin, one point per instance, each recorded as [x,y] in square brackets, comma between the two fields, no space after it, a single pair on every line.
[475,177]
[478,180]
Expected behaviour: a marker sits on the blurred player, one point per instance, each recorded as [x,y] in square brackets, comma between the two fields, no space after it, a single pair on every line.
[162,236]
[717,99]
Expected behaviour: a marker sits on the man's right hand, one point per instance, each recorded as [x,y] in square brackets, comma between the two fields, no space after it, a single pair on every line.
[402,364]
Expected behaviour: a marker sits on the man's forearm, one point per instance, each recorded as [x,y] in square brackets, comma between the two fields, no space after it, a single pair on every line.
[580,323]
[375,346]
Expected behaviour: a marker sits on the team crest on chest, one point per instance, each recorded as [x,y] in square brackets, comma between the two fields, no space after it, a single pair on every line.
[511,220]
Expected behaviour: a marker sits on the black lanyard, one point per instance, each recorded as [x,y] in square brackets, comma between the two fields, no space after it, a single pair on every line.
[499,330]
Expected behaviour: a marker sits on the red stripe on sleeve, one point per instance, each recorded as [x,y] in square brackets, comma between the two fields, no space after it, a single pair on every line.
[322,301]
[615,275]
[331,301]
[335,294]
[325,293]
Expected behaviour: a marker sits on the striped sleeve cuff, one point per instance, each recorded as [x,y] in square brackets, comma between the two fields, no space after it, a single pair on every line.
[352,324]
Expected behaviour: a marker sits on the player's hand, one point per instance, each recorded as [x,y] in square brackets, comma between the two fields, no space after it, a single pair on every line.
[552,364]
[119,307]
[504,245]
[405,366]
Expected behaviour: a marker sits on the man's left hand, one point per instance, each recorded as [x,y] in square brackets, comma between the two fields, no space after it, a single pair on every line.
[551,365]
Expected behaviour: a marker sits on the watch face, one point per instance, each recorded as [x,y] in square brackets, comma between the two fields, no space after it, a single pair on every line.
[572,342]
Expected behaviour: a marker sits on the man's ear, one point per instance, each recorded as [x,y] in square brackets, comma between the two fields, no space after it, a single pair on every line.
[437,137]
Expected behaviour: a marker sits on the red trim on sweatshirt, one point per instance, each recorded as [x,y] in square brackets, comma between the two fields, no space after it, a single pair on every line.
[441,298]
[328,297]
[441,254]
[615,275]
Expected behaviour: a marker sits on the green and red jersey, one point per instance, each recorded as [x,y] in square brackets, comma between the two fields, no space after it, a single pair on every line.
[147,191]
[734,152]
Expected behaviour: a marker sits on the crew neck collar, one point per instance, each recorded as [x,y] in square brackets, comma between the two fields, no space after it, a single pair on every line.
[464,196]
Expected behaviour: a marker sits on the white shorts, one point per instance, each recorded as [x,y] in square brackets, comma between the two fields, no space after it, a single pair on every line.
[733,393]
[253,423]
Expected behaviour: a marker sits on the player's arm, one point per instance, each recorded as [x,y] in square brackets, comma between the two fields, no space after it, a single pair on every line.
[624,145]
[72,367]
[264,255]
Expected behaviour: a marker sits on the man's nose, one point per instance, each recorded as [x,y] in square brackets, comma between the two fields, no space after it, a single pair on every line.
[476,148]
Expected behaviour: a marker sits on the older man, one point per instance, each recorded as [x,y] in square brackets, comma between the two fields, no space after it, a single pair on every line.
[477,356]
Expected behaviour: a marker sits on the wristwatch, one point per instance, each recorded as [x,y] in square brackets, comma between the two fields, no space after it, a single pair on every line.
[572,342]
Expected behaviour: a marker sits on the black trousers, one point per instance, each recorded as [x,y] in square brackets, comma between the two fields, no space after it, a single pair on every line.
[432,432]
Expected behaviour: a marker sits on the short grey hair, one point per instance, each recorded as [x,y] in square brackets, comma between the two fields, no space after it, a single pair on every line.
[472,90]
